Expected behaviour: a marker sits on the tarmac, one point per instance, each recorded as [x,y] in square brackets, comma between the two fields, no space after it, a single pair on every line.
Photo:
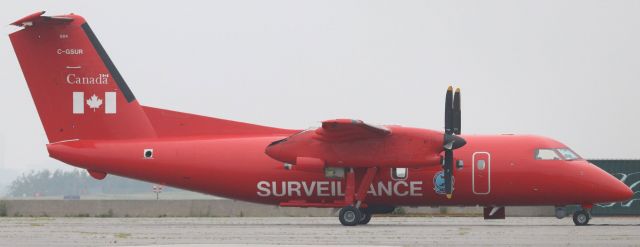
[303,231]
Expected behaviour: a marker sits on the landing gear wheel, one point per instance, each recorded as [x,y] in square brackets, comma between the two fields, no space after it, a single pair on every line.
[349,216]
[581,218]
[365,217]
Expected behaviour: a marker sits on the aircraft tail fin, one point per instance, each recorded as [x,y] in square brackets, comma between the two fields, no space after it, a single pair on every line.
[77,90]
[79,93]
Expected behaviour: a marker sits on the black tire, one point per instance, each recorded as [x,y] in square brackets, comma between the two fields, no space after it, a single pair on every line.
[581,218]
[365,217]
[349,216]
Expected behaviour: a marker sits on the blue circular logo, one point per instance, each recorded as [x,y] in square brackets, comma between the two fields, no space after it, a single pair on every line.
[438,183]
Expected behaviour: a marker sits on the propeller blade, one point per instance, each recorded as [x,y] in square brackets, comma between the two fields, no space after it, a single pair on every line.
[448,112]
[452,126]
[448,172]
[457,116]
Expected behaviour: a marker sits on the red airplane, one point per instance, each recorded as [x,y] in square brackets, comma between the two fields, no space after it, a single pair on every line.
[93,121]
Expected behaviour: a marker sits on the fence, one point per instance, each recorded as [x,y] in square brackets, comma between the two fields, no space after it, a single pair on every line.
[628,171]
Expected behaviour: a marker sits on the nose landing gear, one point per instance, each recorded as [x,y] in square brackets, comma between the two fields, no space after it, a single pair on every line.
[582,216]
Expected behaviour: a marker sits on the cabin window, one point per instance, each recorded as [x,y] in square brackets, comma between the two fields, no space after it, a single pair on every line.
[481,165]
[399,173]
[334,172]
[547,154]
[459,164]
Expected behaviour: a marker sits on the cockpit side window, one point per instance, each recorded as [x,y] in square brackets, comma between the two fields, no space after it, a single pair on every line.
[546,154]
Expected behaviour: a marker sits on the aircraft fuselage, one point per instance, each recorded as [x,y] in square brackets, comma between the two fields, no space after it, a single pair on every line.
[238,168]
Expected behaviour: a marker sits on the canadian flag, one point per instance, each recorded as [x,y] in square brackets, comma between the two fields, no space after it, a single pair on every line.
[94,102]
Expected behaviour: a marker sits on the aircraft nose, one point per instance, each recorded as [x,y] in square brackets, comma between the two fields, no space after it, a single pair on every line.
[621,191]
[615,190]
[603,187]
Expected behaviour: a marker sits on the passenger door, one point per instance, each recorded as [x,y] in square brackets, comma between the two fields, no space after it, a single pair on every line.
[481,173]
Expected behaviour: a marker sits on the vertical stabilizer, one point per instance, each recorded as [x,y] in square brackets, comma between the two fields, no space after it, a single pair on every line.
[77,90]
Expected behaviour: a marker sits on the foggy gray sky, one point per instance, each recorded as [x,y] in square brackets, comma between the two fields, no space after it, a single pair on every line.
[564,69]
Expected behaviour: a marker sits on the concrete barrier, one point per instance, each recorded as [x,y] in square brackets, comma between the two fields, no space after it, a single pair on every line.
[520,211]
[210,208]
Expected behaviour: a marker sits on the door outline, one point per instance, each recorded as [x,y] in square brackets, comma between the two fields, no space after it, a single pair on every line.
[473,171]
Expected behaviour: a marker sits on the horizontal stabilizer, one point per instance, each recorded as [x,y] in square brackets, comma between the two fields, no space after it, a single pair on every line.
[35,18]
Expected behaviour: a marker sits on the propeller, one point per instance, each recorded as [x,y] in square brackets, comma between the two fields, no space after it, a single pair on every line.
[452,127]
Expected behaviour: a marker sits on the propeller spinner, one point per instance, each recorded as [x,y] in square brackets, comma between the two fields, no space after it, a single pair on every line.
[451,141]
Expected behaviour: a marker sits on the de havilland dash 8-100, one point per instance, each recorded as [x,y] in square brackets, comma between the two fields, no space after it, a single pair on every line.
[93,121]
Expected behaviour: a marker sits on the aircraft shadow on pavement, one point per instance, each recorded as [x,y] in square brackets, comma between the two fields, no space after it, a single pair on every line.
[491,225]
[614,224]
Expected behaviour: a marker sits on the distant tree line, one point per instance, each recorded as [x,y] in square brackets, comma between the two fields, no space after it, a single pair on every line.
[74,182]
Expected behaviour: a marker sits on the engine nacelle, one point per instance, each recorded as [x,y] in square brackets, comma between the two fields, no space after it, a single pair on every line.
[407,147]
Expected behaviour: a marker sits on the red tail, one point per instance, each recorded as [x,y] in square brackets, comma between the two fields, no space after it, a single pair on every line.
[80,94]
[77,90]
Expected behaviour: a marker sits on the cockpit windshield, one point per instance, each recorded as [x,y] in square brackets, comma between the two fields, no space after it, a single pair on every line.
[547,154]
[568,154]
[555,154]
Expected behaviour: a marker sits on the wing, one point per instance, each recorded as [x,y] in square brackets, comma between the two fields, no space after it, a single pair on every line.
[348,130]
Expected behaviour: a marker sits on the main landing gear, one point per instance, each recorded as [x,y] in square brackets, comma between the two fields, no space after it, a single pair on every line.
[349,216]
[352,216]
[365,217]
